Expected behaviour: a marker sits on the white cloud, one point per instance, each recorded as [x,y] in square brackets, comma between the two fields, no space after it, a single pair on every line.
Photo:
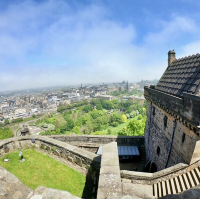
[191,48]
[169,31]
[49,43]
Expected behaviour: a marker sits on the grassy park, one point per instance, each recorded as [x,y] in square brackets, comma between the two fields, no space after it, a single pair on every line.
[42,170]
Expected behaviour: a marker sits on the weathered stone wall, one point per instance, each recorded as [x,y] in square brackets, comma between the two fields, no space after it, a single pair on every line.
[186,108]
[157,135]
[71,153]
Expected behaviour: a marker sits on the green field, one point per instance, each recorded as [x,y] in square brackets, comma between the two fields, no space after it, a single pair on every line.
[42,170]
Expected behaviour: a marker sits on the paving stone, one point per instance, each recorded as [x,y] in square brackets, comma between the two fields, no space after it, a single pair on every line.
[3,186]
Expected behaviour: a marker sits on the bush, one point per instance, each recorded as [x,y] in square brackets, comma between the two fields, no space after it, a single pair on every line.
[17,120]
[109,131]
[5,133]
[6,121]
[114,124]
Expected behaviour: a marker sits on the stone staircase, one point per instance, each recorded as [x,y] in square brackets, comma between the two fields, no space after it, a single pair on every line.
[177,184]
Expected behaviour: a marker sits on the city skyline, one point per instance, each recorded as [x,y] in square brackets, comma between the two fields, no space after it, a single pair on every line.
[53,43]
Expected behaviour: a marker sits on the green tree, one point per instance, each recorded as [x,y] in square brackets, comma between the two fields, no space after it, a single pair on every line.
[124,118]
[134,127]
[99,107]
[60,122]
[76,129]
[87,108]
[95,114]
[106,104]
[88,128]
[116,117]
[6,121]
[109,131]
[123,132]
[70,124]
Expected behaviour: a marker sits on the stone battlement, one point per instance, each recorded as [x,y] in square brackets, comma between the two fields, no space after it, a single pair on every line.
[185,109]
[61,149]
[97,140]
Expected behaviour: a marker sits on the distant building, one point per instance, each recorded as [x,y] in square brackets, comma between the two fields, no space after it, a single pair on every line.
[127,86]
[106,97]
[20,112]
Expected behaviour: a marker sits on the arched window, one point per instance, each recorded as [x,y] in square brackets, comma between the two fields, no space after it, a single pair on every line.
[153,112]
[158,150]
[165,121]
[183,137]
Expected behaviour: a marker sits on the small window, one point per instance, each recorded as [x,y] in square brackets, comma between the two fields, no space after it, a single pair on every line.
[158,150]
[165,121]
[153,111]
[183,137]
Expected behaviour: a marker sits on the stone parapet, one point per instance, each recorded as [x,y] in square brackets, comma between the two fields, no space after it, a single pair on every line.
[110,185]
[165,174]
[186,109]
[96,140]
[72,153]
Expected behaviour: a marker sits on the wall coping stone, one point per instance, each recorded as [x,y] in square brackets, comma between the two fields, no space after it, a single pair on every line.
[110,185]
[74,149]
[152,176]
[97,136]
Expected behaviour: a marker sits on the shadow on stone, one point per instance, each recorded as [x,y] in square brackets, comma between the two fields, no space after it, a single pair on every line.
[92,178]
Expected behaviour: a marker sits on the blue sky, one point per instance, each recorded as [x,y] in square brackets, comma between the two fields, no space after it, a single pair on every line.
[65,42]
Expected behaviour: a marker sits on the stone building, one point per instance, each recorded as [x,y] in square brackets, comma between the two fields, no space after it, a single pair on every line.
[173,113]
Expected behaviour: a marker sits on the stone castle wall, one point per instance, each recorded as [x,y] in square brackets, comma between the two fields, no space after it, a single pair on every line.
[71,153]
[157,135]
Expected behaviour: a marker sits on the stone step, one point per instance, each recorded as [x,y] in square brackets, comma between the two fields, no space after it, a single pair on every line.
[185,180]
[177,184]
[194,178]
[172,186]
[178,187]
[164,188]
[182,186]
[197,174]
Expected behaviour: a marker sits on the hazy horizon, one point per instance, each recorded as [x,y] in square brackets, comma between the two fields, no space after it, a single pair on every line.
[50,43]
[68,86]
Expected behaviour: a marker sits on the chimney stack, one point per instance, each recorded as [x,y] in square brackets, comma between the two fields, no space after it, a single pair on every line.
[171,57]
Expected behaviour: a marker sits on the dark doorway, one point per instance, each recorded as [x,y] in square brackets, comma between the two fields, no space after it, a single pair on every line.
[153,168]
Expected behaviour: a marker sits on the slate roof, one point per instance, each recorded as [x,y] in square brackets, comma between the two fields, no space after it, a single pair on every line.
[183,75]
